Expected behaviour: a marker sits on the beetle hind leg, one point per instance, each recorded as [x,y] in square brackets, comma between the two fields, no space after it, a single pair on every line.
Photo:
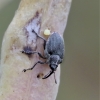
[38,35]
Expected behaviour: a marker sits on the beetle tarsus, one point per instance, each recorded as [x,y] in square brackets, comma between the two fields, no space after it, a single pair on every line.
[24,70]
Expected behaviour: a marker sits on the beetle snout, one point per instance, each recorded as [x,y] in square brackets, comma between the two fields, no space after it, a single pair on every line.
[53,67]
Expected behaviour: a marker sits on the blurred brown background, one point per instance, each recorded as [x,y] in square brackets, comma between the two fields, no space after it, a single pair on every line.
[80,69]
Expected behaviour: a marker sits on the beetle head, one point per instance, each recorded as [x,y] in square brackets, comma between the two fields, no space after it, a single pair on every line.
[53,61]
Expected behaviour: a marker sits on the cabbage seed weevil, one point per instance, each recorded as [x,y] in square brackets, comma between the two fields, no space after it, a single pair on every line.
[53,53]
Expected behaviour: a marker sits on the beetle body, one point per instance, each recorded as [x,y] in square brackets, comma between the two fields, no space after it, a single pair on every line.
[53,52]
[54,45]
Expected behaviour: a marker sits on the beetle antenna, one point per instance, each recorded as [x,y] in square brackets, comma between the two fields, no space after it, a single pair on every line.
[55,78]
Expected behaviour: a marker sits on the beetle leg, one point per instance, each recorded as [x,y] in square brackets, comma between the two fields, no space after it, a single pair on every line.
[34,66]
[44,44]
[38,35]
[41,55]
[32,52]
[49,74]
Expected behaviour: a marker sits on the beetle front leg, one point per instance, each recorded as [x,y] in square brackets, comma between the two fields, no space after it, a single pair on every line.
[34,66]
[49,74]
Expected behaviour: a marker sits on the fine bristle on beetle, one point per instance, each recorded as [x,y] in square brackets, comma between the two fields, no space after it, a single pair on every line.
[53,53]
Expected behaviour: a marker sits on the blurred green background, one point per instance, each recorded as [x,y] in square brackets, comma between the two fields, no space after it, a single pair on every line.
[80,69]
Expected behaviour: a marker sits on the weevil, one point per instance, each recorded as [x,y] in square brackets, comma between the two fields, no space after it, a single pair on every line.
[53,53]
